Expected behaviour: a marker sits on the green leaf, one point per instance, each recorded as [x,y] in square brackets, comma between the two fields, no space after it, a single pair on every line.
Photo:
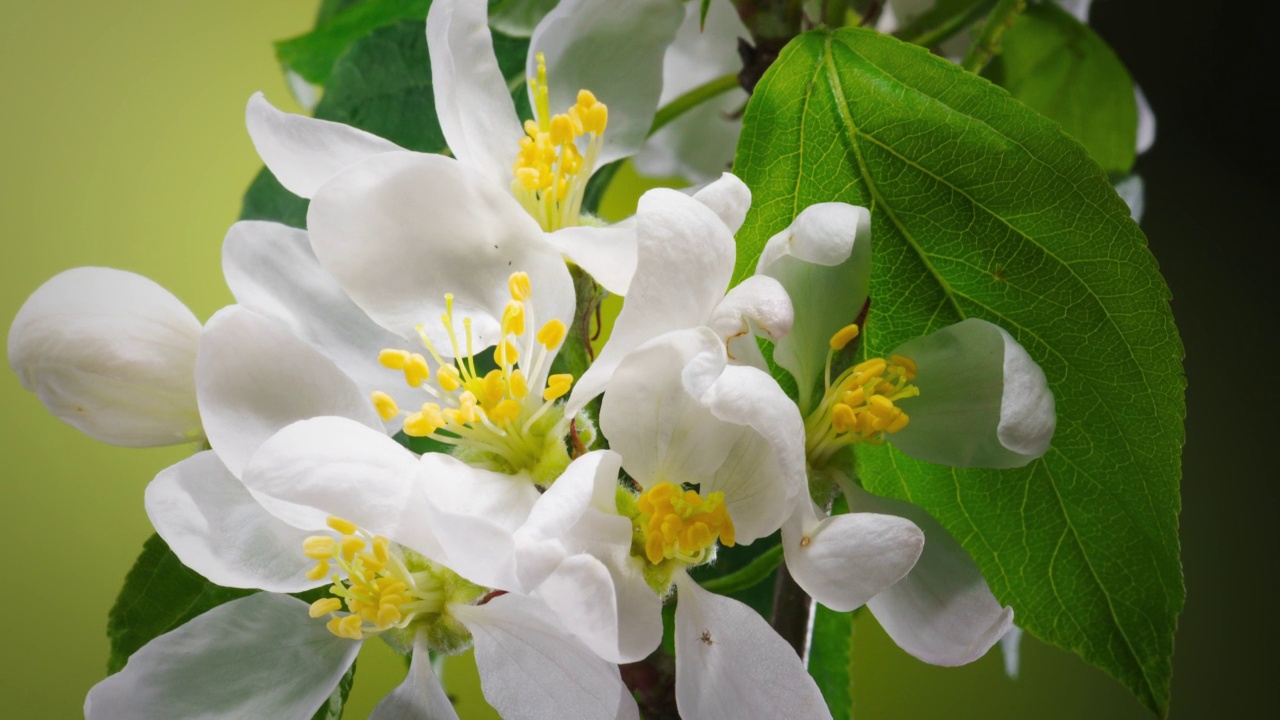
[159,594]
[702,14]
[383,85]
[314,54]
[1061,68]
[829,659]
[758,569]
[983,208]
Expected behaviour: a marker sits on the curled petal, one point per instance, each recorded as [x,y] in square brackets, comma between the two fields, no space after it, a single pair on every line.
[728,197]
[983,401]
[214,666]
[756,306]
[823,260]
[607,253]
[304,152]
[684,260]
[843,561]
[942,612]
[111,354]
[731,665]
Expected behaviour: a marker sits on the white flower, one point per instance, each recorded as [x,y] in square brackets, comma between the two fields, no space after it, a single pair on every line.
[389,575]
[597,62]
[967,396]
[111,354]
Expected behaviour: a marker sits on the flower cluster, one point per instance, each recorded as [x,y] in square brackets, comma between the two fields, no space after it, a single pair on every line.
[428,301]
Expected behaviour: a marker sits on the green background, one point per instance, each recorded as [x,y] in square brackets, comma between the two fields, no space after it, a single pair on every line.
[122,144]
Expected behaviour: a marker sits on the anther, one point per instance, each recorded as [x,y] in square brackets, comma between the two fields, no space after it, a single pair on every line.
[519,286]
[552,334]
[384,404]
[393,359]
[319,547]
[346,527]
[844,336]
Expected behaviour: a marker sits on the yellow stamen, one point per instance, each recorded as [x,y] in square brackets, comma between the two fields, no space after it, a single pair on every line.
[320,547]
[346,527]
[393,359]
[843,337]
[860,406]
[552,334]
[683,525]
[557,386]
[384,404]
[519,286]
[324,606]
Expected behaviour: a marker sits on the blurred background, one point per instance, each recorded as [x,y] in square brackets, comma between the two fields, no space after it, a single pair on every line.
[122,144]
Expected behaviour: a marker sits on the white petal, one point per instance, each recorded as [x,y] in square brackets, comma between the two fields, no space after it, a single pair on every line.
[684,262]
[1011,649]
[111,354]
[768,470]
[607,253]
[530,667]
[842,561]
[824,261]
[614,50]
[730,665]
[1132,190]
[588,484]
[757,305]
[218,529]
[615,621]
[473,103]
[1146,122]
[272,271]
[729,198]
[420,696]
[216,667]
[475,513]
[700,144]
[1078,8]
[254,377]
[401,230]
[334,466]
[303,152]
[942,612]
[983,401]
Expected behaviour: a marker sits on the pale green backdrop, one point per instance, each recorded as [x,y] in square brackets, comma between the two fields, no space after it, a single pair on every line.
[122,144]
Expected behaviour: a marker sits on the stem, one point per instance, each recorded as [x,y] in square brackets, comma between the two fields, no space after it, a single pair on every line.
[791,609]
[950,26]
[987,44]
[755,571]
[834,13]
[692,99]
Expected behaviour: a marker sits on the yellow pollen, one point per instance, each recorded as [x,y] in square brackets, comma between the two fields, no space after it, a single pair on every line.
[513,318]
[320,570]
[552,334]
[518,384]
[324,606]
[843,337]
[557,386]
[682,525]
[416,370]
[384,404]
[320,547]
[345,527]
[519,286]
[506,353]
[449,378]
[393,359]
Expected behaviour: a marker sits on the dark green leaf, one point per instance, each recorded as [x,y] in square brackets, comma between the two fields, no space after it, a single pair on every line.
[1061,68]
[829,659]
[313,55]
[702,14]
[983,208]
[159,594]
[266,199]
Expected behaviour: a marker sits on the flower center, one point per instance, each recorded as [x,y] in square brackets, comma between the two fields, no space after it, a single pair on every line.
[380,586]
[681,524]
[550,171]
[858,406]
[489,416]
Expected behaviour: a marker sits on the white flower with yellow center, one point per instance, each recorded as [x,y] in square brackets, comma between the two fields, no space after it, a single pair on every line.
[715,454]
[967,395]
[388,575]
[595,71]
